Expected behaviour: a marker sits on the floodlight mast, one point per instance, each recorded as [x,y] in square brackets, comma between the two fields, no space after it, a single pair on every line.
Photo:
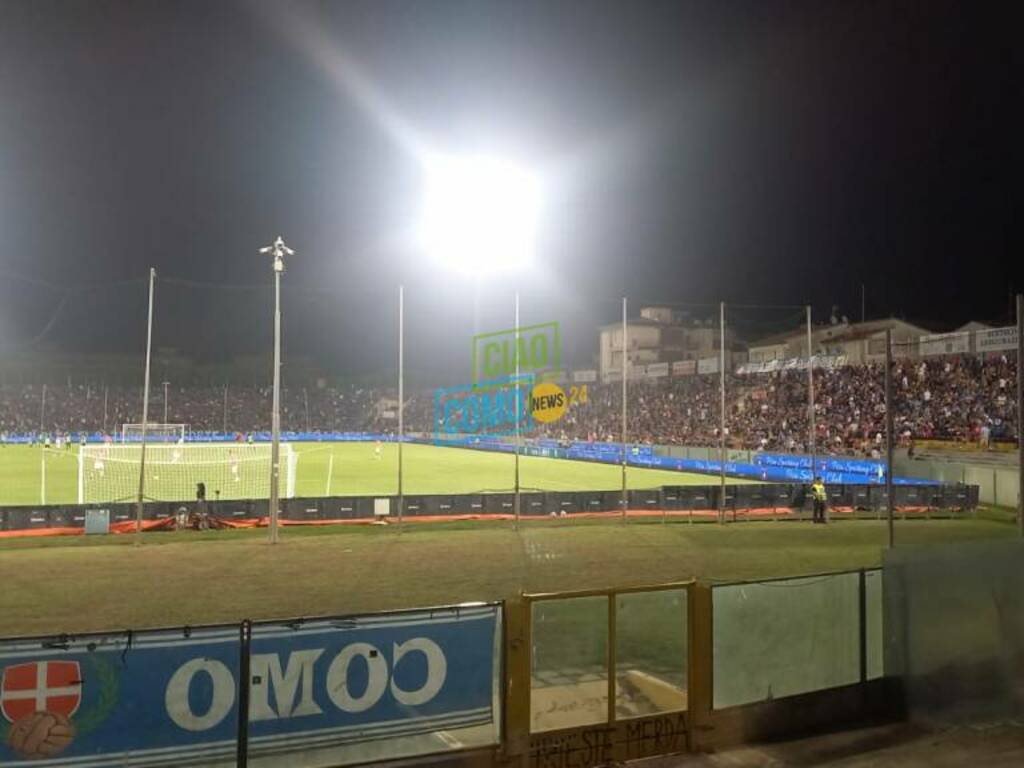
[145,412]
[278,250]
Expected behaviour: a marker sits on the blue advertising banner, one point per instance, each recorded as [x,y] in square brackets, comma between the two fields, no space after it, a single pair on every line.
[325,683]
[171,698]
[832,471]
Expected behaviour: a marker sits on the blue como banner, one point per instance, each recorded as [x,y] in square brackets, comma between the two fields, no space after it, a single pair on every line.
[171,698]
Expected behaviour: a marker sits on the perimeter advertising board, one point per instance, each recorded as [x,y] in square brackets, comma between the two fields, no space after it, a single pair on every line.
[171,698]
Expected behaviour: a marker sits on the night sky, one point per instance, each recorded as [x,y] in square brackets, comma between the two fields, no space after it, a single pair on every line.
[761,153]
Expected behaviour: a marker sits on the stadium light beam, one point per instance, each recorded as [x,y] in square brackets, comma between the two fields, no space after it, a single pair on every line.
[479,214]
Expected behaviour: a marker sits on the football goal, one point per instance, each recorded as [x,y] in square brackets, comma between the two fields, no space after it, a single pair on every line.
[109,473]
[155,433]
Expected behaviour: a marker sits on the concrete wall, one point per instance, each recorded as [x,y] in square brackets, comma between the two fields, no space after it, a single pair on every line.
[997,485]
[702,453]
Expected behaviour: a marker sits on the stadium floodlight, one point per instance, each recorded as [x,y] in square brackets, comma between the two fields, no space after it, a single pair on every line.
[479,214]
[278,250]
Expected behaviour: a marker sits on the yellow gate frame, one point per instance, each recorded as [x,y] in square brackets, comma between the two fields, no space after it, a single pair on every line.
[615,739]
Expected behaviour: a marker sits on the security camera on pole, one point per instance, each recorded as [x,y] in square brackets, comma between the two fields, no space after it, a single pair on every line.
[278,250]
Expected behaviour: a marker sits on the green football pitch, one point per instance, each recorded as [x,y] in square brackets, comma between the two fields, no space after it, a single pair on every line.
[69,584]
[32,474]
[78,583]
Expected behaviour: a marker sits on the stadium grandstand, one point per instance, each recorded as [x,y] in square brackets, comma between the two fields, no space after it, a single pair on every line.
[963,398]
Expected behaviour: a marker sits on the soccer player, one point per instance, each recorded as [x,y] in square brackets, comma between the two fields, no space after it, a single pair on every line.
[377,448]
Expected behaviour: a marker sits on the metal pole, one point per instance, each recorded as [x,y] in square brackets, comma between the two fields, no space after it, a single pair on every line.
[625,378]
[145,412]
[1020,413]
[278,250]
[165,401]
[401,398]
[42,412]
[476,307]
[721,412]
[105,388]
[812,432]
[888,434]
[518,391]
[275,417]
[244,676]
[305,399]
[225,427]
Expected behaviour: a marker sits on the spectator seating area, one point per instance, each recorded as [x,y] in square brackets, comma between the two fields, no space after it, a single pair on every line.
[960,398]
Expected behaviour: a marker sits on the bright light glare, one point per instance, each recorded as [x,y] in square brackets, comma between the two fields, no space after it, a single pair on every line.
[479,214]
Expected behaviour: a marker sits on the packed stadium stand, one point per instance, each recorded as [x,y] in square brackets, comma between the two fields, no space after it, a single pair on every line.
[962,398]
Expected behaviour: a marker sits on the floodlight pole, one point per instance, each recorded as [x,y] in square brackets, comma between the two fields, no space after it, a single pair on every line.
[42,412]
[166,383]
[278,250]
[888,436]
[401,398]
[145,411]
[1020,413]
[625,377]
[518,390]
[476,304]
[812,431]
[721,412]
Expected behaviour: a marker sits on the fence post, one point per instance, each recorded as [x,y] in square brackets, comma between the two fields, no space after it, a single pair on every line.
[701,691]
[244,683]
[863,607]
[516,730]
[612,652]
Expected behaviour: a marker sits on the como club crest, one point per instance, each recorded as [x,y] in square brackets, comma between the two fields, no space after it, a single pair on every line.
[39,701]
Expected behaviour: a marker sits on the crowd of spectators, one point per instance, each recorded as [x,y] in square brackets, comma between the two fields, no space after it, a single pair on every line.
[962,398]
[91,409]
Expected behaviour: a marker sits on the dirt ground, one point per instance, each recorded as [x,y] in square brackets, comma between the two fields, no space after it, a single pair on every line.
[997,745]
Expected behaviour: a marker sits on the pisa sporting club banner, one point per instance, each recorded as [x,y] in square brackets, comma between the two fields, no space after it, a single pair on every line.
[171,698]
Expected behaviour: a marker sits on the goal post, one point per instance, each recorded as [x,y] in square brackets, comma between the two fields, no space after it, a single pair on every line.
[109,473]
[155,433]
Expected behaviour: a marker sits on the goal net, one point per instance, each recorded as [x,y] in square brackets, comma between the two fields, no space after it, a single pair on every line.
[155,433]
[110,473]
